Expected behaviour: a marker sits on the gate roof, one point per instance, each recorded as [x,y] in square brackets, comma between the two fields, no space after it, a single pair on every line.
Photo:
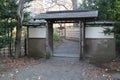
[68,15]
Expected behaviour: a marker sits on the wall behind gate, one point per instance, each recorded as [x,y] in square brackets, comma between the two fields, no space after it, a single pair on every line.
[73,33]
[98,46]
[37,42]
[37,32]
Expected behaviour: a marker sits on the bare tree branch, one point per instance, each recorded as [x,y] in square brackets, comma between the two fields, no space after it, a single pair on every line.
[57,2]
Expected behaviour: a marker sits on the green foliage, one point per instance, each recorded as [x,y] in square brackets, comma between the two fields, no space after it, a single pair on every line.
[117,32]
[108,31]
[7,21]
[104,7]
[8,11]
[108,10]
[56,37]
[26,17]
[117,18]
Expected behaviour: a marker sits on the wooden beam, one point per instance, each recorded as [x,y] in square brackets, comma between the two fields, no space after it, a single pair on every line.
[84,36]
[81,39]
[27,38]
[80,28]
[49,40]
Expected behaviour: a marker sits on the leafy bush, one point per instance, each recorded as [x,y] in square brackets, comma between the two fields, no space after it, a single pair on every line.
[115,30]
[56,37]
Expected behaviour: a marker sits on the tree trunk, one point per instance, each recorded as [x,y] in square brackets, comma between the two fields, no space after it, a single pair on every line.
[10,46]
[19,28]
[74,4]
[18,38]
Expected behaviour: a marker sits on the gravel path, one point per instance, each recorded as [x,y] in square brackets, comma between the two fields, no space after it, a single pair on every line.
[57,68]
[68,48]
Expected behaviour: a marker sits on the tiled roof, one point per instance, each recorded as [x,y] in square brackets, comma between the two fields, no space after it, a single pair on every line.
[36,23]
[67,15]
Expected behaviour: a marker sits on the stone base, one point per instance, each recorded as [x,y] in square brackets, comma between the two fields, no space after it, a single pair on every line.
[100,50]
[36,47]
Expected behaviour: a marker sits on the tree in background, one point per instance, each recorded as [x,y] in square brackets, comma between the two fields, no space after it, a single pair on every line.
[108,10]
[116,16]
[7,22]
[20,19]
[57,5]
[74,4]
[19,28]
[103,6]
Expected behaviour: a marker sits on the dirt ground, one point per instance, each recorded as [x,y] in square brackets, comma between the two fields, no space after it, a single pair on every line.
[55,68]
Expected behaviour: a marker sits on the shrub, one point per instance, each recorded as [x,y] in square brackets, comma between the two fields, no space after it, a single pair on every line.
[56,37]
